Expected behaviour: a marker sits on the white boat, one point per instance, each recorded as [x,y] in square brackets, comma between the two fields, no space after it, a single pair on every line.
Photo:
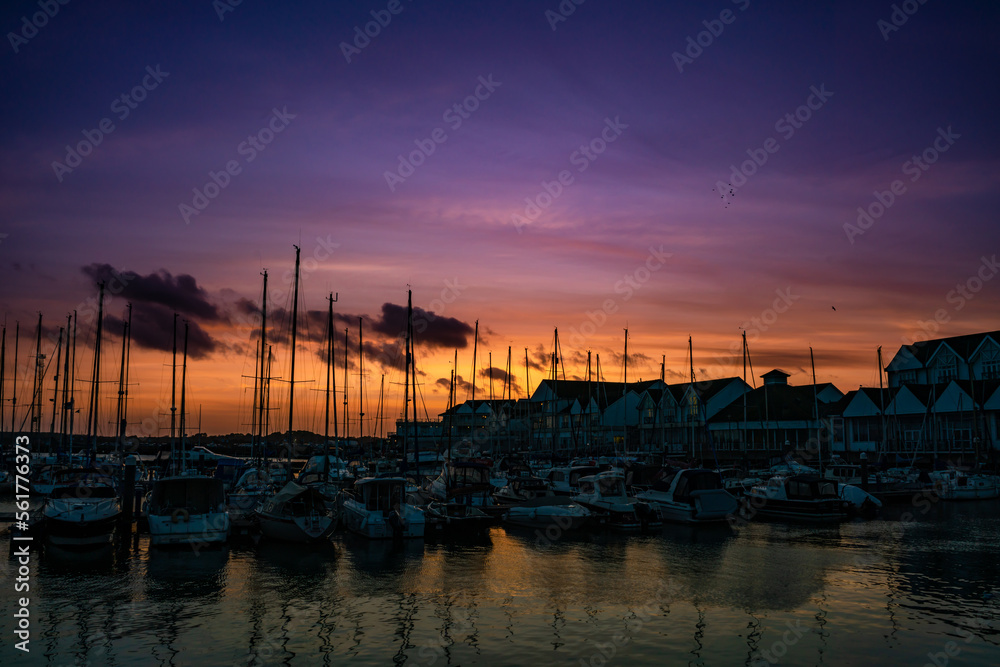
[376,508]
[692,496]
[545,511]
[82,508]
[808,497]
[296,514]
[604,494]
[955,484]
[187,510]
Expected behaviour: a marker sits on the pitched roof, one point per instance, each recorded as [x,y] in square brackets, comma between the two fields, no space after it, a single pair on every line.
[963,345]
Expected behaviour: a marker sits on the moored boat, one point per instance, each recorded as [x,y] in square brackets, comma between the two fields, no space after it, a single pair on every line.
[187,510]
[296,514]
[82,509]
[376,508]
[604,494]
[807,497]
[691,496]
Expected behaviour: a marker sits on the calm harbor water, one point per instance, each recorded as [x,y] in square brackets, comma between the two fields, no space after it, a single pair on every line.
[897,590]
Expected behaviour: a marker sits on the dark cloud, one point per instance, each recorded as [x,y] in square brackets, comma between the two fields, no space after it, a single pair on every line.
[177,293]
[428,329]
[500,377]
[153,328]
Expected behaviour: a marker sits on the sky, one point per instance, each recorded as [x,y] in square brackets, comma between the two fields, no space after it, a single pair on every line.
[814,175]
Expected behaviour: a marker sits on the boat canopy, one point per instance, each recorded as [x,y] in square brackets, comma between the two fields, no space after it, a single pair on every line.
[807,487]
[197,495]
[381,494]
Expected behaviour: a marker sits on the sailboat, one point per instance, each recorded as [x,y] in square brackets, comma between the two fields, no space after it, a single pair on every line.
[296,513]
[186,508]
[82,507]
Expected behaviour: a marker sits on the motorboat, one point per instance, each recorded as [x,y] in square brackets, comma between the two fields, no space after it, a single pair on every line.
[694,495]
[82,508]
[604,494]
[456,519]
[804,496]
[376,508]
[187,509]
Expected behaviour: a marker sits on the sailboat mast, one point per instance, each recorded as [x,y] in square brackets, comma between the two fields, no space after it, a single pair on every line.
[264,353]
[128,360]
[694,393]
[184,399]
[555,387]
[625,398]
[55,390]
[173,399]
[347,433]
[119,428]
[881,396]
[527,387]
[72,386]
[3,374]
[744,392]
[413,378]
[361,378]
[329,362]
[36,392]
[13,383]
[819,449]
[291,382]
[94,395]
[475,347]
[406,386]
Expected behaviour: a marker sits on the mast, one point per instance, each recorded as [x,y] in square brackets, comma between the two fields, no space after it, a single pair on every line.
[119,428]
[264,354]
[3,374]
[555,387]
[510,400]
[361,379]
[346,431]
[527,387]
[329,361]
[475,347]
[173,400]
[590,412]
[744,393]
[55,391]
[413,378]
[694,393]
[71,403]
[13,384]
[128,359]
[291,382]
[492,400]
[381,411]
[406,387]
[184,399]
[452,408]
[819,449]
[92,427]
[36,392]
[625,398]
[881,395]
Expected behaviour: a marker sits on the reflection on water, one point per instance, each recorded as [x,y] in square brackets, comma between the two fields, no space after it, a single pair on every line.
[896,589]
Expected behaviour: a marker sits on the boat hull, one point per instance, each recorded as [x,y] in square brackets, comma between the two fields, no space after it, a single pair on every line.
[180,528]
[302,529]
[375,526]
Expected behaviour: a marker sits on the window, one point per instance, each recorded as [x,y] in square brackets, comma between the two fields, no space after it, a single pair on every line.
[947,372]
[907,377]
[990,370]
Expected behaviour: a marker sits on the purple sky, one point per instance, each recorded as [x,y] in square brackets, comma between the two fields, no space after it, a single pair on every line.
[723,256]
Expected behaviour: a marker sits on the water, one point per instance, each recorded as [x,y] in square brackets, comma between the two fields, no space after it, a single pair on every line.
[896,590]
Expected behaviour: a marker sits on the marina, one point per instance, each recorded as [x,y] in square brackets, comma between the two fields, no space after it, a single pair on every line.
[902,586]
